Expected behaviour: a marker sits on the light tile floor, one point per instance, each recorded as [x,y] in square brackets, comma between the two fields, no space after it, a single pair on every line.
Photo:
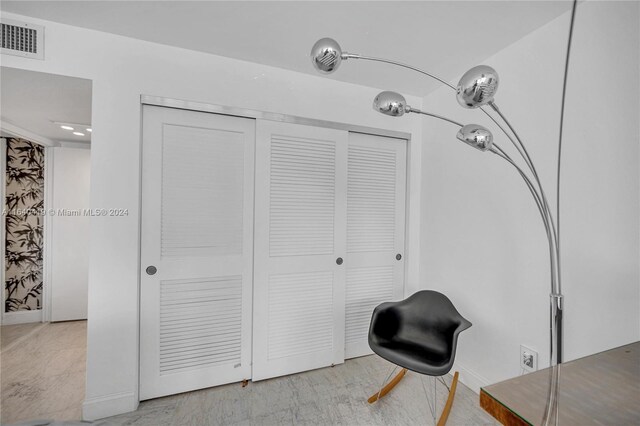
[327,396]
[13,333]
[43,372]
[43,377]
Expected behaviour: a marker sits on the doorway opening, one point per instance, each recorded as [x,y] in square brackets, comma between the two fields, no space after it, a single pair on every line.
[45,149]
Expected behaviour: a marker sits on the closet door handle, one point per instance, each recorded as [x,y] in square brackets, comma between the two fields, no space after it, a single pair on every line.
[151,270]
[339,261]
[398,256]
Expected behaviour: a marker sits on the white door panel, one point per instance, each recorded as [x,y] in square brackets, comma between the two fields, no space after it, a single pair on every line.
[197,230]
[300,232]
[375,232]
[69,255]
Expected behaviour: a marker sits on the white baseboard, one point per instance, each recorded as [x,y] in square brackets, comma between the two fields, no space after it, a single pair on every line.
[109,405]
[470,378]
[21,317]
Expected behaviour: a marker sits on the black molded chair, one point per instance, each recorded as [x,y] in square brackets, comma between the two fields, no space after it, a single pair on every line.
[419,334]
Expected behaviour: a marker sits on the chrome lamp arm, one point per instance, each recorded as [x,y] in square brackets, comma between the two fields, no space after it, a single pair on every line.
[556,285]
[517,143]
[440,117]
[346,55]
[495,149]
[557,288]
[395,105]
[539,203]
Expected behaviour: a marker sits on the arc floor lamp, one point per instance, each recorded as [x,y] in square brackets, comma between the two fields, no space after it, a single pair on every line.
[476,89]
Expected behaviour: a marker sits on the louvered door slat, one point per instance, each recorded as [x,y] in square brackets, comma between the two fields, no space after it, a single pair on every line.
[302,187]
[366,289]
[371,218]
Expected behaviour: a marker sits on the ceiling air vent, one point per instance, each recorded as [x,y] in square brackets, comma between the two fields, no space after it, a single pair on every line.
[22,39]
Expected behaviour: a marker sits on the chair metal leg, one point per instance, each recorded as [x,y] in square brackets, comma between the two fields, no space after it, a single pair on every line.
[447,407]
[385,389]
[432,407]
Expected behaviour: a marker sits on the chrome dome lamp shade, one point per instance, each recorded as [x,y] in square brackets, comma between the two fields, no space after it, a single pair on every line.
[477,136]
[477,87]
[326,55]
[391,103]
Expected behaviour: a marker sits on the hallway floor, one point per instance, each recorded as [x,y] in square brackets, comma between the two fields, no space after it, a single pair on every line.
[43,371]
[43,377]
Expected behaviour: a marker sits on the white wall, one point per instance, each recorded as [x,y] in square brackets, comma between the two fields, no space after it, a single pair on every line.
[69,246]
[122,69]
[483,243]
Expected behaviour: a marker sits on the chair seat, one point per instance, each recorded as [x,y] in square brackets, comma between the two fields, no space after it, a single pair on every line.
[418,333]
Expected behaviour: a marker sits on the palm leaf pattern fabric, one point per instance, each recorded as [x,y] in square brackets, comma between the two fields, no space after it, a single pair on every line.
[24,203]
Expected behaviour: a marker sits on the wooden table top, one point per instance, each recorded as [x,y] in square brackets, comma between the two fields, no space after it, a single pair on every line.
[600,389]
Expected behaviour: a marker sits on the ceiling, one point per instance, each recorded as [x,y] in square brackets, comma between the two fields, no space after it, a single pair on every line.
[444,37]
[35,101]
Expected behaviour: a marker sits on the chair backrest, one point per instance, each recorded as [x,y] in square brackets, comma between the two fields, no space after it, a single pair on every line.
[431,308]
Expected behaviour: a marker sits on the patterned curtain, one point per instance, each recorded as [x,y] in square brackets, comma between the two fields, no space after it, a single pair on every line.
[24,205]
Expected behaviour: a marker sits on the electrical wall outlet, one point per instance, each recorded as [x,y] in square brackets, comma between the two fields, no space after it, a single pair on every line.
[528,359]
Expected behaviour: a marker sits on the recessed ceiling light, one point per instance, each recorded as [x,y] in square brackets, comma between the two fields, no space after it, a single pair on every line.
[66,127]
[89,130]
[78,133]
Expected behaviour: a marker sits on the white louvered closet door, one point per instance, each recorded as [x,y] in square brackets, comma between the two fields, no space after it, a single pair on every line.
[376,187]
[300,232]
[197,247]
